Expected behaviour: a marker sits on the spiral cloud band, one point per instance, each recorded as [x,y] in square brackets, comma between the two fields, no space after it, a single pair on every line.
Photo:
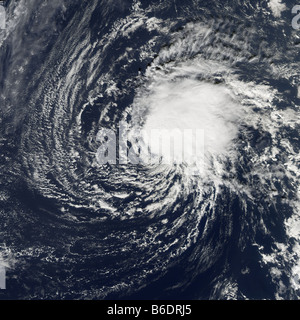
[150,150]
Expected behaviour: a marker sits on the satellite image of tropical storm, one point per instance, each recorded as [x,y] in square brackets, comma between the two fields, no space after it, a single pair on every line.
[149,150]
